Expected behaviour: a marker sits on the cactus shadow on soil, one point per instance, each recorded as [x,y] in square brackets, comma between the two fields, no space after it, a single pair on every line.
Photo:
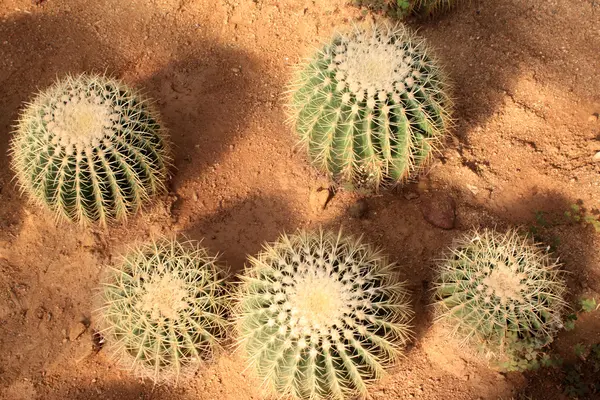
[201,93]
[500,74]
[127,390]
[204,99]
[199,102]
[240,229]
[395,226]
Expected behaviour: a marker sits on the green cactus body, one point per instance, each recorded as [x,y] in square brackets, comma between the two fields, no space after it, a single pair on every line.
[320,315]
[163,310]
[90,149]
[500,291]
[371,105]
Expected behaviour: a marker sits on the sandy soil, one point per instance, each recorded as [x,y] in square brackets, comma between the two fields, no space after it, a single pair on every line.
[527,91]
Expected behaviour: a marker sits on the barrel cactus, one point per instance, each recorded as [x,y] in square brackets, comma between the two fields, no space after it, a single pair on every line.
[371,106]
[164,310]
[90,149]
[501,292]
[320,315]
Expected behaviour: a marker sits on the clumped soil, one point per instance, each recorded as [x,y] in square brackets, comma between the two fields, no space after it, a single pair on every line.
[527,90]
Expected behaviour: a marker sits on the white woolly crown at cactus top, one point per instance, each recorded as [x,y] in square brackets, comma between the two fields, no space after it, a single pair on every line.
[371,105]
[164,309]
[495,285]
[89,148]
[363,65]
[320,315]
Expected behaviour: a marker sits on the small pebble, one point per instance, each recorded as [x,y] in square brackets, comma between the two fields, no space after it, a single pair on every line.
[596,157]
[473,189]
[411,196]
[76,330]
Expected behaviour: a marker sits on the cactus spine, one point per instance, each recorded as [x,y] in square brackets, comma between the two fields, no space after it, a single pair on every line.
[371,105]
[320,315]
[500,290]
[164,309]
[430,7]
[90,149]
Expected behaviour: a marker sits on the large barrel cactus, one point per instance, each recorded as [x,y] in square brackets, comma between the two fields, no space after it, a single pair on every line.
[371,105]
[90,149]
[501,293]
[163,311]
[320,315]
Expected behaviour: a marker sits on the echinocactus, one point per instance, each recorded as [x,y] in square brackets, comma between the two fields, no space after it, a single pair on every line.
[163,311]
[320,315]
[501,292]
[371,105]
[90,149]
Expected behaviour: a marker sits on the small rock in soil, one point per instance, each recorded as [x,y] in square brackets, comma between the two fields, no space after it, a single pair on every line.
[76,330]
[596,157]
[474,189]
[439,211]
[411,196]
[359,209]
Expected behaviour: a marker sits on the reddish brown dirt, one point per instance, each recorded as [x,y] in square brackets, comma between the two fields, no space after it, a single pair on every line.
[527,90]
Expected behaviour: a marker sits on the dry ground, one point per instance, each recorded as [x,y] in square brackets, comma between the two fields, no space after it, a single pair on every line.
[527,91]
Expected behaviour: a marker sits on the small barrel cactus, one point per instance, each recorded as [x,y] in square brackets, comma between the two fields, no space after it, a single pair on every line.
[320,315]
[371,105]
[90,149]
[163,311]
[501,292]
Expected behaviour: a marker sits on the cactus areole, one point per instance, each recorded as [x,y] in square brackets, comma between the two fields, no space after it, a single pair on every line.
[90,149]
[370,106]
[320,315]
